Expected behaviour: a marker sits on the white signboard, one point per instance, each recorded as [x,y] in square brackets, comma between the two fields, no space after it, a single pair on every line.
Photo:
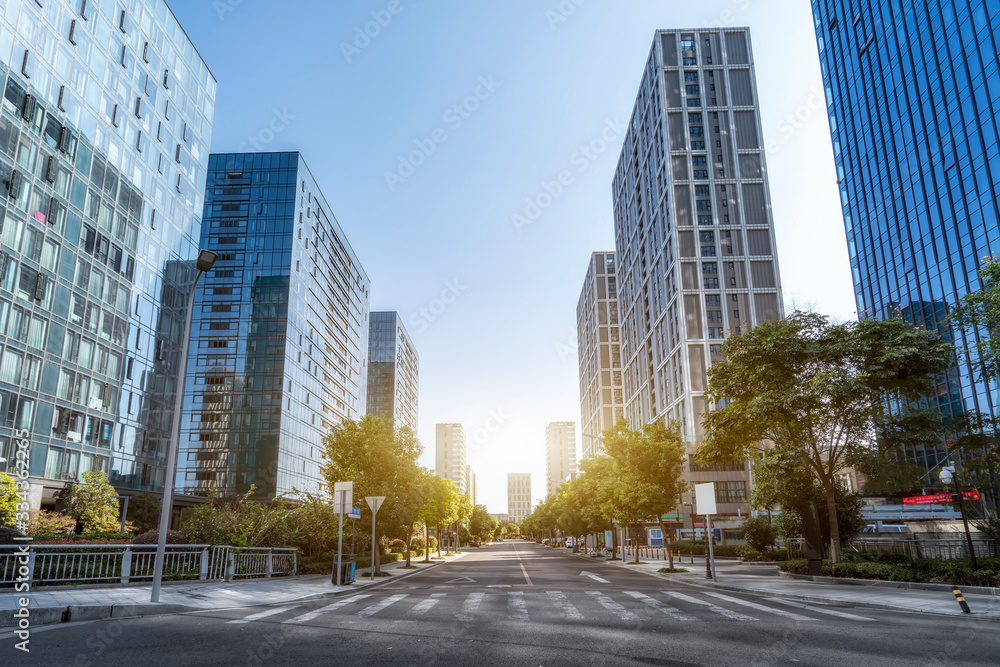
[704,498]
[374,502]
[343,492]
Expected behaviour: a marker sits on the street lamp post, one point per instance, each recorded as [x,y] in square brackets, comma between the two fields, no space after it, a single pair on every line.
[947,474]
[205,262]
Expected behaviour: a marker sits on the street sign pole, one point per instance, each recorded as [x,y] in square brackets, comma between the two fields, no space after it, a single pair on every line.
[705,499]
[343,493]
[340,540]
[374,502]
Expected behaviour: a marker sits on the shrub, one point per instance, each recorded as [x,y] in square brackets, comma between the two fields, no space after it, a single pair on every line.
[432,543]
[752,556]
[418,542]
[956,572]
[397,546]
[94,502]
[204,524]
[45,523]
[152,536]
[144,509]
[8,534]
[10,498]
[759,533]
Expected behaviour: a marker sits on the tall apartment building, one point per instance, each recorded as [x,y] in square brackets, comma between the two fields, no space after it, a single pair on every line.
[451,458]
[393,370]
[560,454]
[104,131]
[473,484]
[599,349]
[693,233]
[518,496]
[914,102]
[280,333]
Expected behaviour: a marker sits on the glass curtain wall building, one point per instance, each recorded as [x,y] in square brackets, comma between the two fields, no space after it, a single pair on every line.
[393,370]
[913,91]
[280,334]
[694,236]
[106,121]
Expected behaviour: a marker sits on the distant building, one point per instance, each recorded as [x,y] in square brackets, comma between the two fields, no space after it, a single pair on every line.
[470,479]
[518,496]
[451,459]
[560,454]
[501,517]
[393,370]
[599,350]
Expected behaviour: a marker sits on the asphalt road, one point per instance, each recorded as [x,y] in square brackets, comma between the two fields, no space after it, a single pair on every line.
[517,603]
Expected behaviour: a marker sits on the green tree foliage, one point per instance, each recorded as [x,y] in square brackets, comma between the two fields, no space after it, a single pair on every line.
[9,500]
[42,523]
[144,512]
[481,524]
[821,393]
[94,503]
[441,508]
[381,461]
[238,521]
[759,533]
[975,443]
[313,525]
[512,530]
[981,310]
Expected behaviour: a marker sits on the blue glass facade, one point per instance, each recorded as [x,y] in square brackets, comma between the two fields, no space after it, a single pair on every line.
[913,92]
[393,370]
[105,123]
[279,341]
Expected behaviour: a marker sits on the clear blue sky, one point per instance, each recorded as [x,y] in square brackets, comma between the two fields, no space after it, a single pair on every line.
[501,342]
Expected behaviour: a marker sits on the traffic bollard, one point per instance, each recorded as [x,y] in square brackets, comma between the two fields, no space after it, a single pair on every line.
[961,601]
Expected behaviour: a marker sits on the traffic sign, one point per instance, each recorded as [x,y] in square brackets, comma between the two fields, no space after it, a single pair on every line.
[374,502]
[705,498]
[940,498]
[355,513]
[343,496]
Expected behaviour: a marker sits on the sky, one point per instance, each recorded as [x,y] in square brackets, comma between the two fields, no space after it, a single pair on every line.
[432,128]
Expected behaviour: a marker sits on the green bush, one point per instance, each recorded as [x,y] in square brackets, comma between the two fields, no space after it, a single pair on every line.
[698,548]
[397,546]
[152,536]
[956,572]
[751,556]
[759,533]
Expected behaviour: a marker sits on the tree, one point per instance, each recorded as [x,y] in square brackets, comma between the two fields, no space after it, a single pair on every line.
[759,533]
[821,393]
[410,502]
[144,511]
[313,525]
[380,460]
[981,310]
[513,530]
[94,503]
[9,500]
[481,524]
[441,508]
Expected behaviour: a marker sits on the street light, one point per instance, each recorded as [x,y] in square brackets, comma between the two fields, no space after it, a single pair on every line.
[947,474]
[204,263]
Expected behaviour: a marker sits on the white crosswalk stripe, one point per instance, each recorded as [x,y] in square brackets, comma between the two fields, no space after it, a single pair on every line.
[470,606]
[612,606]
[308,616]
[564,605]
[722,611]
[424,606]
[263,614]
[379,606]
[822,610]
[656,604]
[518,607]
[760,607]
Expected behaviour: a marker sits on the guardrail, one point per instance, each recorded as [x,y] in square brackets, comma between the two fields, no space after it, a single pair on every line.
[938,549]
[102,563]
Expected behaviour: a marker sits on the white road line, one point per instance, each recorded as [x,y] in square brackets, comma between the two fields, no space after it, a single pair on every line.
[330,607]
[470,606]
[424,606]
[565,606]
[760,607]
[379,606]
[821,610]
[263,614]
[676,614]
[733,615]
[518,607]
[612,606]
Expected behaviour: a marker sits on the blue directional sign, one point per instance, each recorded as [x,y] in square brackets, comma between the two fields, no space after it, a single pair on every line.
[355,513]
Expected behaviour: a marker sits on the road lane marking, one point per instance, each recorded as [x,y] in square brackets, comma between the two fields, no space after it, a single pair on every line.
[565,606]
[733,615]
[821,610]
[760,607]
[656,604]
[523,571]
[596,578]
[461,580]
[263,614]
[612,606]
[330,607]
[376,608]
[424,606]
[517,606]
[470,606]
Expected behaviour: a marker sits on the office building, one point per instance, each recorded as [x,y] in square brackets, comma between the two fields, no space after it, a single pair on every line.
[914,101]
[393,370]
[599,349]
[451,457]
[518,496]
[280,334]
[560,455]
[694,237]
[104,136]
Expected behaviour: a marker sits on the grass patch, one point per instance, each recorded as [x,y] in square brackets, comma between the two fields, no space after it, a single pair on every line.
[377,574]
[632,562]
[672,570]
[408,567]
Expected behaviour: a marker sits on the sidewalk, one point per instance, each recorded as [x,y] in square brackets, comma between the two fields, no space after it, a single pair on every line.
[763,580]
[83,603]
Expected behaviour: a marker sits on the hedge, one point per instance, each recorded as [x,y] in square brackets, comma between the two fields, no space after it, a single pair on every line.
[955,572]
[751,556]
[699,548]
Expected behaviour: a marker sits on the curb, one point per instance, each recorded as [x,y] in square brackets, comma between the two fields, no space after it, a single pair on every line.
[882,583]
[72,613]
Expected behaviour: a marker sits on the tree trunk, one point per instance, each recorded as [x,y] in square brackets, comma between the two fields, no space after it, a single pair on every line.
[409,538]
[814,541]
[831,508]
[427,543]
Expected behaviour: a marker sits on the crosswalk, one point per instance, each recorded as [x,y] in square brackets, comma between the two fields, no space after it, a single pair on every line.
[604,607]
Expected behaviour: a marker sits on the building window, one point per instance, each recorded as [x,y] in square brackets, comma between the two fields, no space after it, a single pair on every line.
[708,251]
[713,300]
[711,283]
[706,237]
[716,333]
[705,220]
[737,466]
[730,492]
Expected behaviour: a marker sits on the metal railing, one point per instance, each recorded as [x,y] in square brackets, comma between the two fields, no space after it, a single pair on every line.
[101,563]
[935,548]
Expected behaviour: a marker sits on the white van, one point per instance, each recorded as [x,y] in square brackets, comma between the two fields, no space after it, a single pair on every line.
[884,529]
